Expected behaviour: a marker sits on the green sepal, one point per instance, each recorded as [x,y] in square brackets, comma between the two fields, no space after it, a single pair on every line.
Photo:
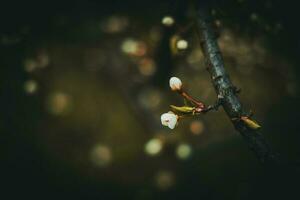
[251,123]
[183,109]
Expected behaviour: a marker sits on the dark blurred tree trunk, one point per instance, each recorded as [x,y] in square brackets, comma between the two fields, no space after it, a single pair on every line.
[163,56]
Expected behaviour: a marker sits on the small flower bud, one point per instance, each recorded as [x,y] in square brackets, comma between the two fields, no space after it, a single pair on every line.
[169,119]
[167,21]
[182,44]
[175,83]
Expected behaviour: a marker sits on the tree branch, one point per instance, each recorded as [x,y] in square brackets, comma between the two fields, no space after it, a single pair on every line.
[225,89]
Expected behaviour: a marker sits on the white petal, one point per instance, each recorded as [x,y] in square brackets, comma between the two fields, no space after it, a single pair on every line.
[172,122]
[165,119]
[175,83]
[169,119]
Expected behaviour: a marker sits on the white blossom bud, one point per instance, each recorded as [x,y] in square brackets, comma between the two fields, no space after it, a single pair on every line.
[167,21]
[169,119]
[182,44]
[175,83]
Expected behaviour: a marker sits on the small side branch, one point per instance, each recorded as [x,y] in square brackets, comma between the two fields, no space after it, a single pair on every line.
[226,90]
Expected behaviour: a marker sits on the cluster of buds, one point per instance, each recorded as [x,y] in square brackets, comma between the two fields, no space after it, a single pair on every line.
[170,118]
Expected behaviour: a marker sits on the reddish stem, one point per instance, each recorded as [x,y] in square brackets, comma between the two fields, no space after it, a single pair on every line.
[191,99]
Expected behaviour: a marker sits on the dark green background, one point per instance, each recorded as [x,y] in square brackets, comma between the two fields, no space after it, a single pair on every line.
[44,156]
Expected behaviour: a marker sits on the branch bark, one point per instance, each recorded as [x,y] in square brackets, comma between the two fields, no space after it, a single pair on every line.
[224,88]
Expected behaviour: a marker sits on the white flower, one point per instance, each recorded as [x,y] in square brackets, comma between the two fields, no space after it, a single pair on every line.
[182,44]
[169,119]
[167,21]
[175,83]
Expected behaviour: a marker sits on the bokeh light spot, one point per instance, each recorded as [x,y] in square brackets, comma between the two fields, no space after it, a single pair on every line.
[114,24]
[30,65]
[197,127]
[134,47]
[167,21]
[59,103]
[153,147]
[101,155]
[147,67]
[182,44]
[164,179]
[149,98]
[43,59]
[183,151]
[254,17]
[30,86]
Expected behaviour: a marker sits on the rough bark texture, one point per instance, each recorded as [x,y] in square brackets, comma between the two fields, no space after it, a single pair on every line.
[224,88]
